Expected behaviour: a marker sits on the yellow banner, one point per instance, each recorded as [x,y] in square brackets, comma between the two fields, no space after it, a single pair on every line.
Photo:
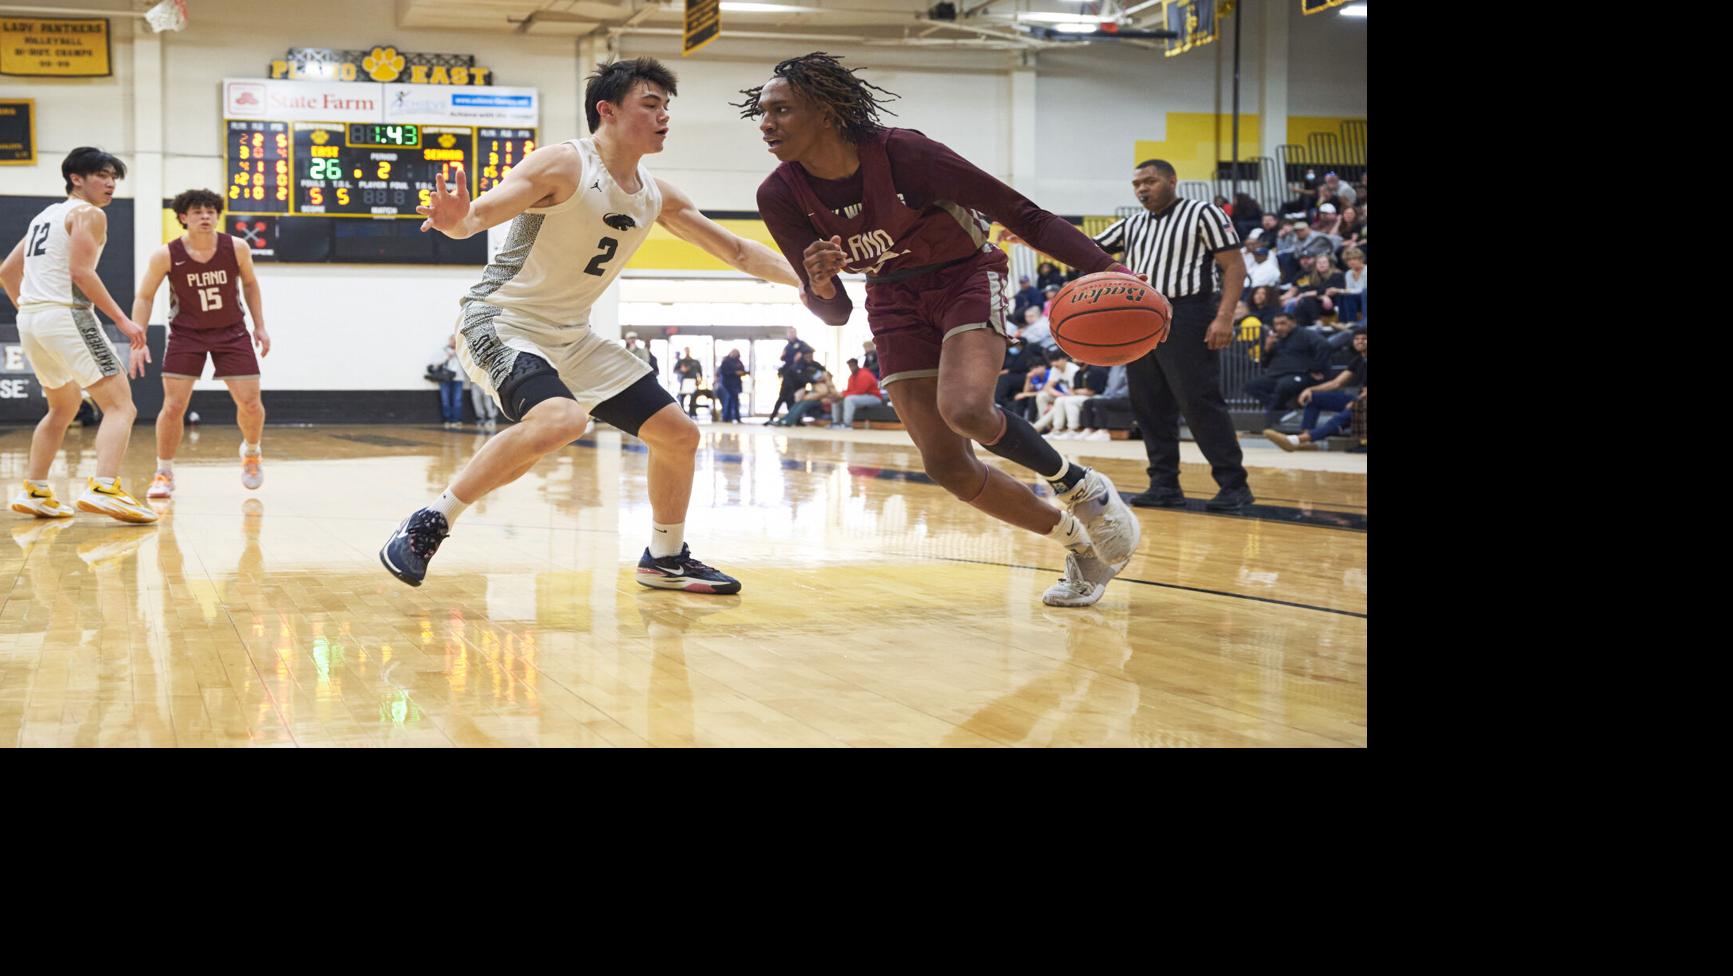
[703,24]
[51,47]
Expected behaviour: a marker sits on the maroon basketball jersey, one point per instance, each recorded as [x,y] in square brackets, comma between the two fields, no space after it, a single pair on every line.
[208,295]
[885,235]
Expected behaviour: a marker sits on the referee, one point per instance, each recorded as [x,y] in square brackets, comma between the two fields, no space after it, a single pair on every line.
[1172,242]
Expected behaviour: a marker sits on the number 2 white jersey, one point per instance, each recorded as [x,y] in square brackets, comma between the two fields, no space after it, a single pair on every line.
[558,260]
[47,259]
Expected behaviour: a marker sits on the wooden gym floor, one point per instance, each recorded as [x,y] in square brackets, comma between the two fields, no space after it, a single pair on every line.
[876,610]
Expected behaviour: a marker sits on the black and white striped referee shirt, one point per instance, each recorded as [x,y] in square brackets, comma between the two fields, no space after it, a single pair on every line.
[1175,248]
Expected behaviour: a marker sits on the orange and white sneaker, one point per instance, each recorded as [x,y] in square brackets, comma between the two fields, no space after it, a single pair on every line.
[41,503]
[252,470]
[114,502]
[162,486]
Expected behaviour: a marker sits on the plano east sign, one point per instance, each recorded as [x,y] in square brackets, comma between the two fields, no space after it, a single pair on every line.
[336,101]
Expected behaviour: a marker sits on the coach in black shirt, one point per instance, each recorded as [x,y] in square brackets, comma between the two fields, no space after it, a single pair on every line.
[1177,244]
[1294,359]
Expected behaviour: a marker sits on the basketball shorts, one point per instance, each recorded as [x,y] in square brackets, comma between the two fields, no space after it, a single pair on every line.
[66,345]
[489,340]
[912,318]
[230,349]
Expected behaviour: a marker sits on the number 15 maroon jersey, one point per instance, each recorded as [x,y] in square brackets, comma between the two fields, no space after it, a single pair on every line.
[207,295]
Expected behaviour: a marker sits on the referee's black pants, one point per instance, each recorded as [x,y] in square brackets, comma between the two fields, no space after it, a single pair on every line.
[1183,377]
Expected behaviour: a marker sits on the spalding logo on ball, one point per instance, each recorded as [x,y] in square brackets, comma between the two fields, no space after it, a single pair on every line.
[1108,318]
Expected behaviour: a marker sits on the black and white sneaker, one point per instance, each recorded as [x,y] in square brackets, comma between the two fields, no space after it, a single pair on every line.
[408,551]
[682,572]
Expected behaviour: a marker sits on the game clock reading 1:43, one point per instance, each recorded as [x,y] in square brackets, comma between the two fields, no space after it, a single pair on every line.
[370,170]
[258,164]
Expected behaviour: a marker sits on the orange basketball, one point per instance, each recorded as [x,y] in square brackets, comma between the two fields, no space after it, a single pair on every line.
[1108,318]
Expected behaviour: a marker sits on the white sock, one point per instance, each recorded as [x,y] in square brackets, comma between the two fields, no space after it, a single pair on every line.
[1071,533]
[249,450]
[450,506]
[666,540]
[38,485]
[167,466]
[105,482]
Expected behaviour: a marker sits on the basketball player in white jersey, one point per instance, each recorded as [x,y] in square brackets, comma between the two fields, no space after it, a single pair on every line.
[51,277]
[579,210]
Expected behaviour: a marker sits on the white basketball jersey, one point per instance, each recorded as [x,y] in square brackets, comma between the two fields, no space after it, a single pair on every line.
[47,259]
[558,260]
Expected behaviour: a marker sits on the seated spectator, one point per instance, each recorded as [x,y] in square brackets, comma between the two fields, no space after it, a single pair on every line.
[1048,275]
[1248,328]
[1265,302]
[1349,227]
[1037,331]
[1327,221]
[1247,215]
[1027,294]
[1308,244]
[870,358]
[1047,295]
[1345,394]
[814,401]
[1116,396]
[1351,297]
[862,391]
[1061,379]
[1033,385]
[1066,416]
[1339,191]
[1261,266]
[1018,359]
[1269,225]
[1293,359]
[1287,249]
[1308,298]
[1301,205]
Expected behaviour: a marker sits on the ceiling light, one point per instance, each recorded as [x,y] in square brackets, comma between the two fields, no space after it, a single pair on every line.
[1077,28]
[1046,18]
[1357,10]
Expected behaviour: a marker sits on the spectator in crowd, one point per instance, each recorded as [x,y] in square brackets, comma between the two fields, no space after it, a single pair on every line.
[1310,296]
[1047,295]
[1327,221]
[1048,275]
[1037,330]
[1261,266]
[1338,191]
[870,358]
[1247,215]
[814,401]
[1301,205]
[636,348]
[1033,384]
[445,368]
[1249,329]
[1349,227]
[728,385]
[1265,302]
[486,410]
[1309,243]
[1268,229]
[794,369]
[1090,423]
[862,391]
[1343,394]
[1066,414]
[689,373]
[1028,293]
[1351,295]
[1293,359]
[1288,249]
[1018,359]
[1061,378]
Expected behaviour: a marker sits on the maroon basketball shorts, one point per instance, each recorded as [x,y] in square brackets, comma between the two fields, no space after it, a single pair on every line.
[911,319]
[229,347]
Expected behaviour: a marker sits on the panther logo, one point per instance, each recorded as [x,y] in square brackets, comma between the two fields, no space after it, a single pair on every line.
[383,64]
[619,221]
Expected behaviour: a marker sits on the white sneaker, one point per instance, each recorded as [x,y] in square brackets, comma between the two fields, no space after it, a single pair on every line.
[1112,525]
[1061,435]
[40,503]
[115,503]
[162,486]
[252,470]
[1100,435]
[1084,581]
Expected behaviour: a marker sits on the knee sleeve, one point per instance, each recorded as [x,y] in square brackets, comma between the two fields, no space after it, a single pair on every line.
[637,403]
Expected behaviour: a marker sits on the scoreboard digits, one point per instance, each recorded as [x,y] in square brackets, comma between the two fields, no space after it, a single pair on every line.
[372,170]
[497,151]
[259,167]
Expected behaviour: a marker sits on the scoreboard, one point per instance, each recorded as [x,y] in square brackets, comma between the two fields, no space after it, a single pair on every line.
[360,169]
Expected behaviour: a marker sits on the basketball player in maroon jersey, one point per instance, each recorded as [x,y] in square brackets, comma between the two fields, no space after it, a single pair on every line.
[854,195]
[207,272]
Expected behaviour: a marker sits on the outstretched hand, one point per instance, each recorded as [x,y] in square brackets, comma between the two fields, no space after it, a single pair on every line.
[446,210]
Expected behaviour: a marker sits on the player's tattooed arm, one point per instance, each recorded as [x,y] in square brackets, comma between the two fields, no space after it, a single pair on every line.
[155,270]
[546,177]
[684,220]
[12,272]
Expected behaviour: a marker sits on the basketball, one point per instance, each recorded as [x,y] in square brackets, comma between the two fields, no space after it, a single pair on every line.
[1108,318]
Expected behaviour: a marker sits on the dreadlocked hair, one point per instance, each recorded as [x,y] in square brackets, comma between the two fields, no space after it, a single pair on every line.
[823,79]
